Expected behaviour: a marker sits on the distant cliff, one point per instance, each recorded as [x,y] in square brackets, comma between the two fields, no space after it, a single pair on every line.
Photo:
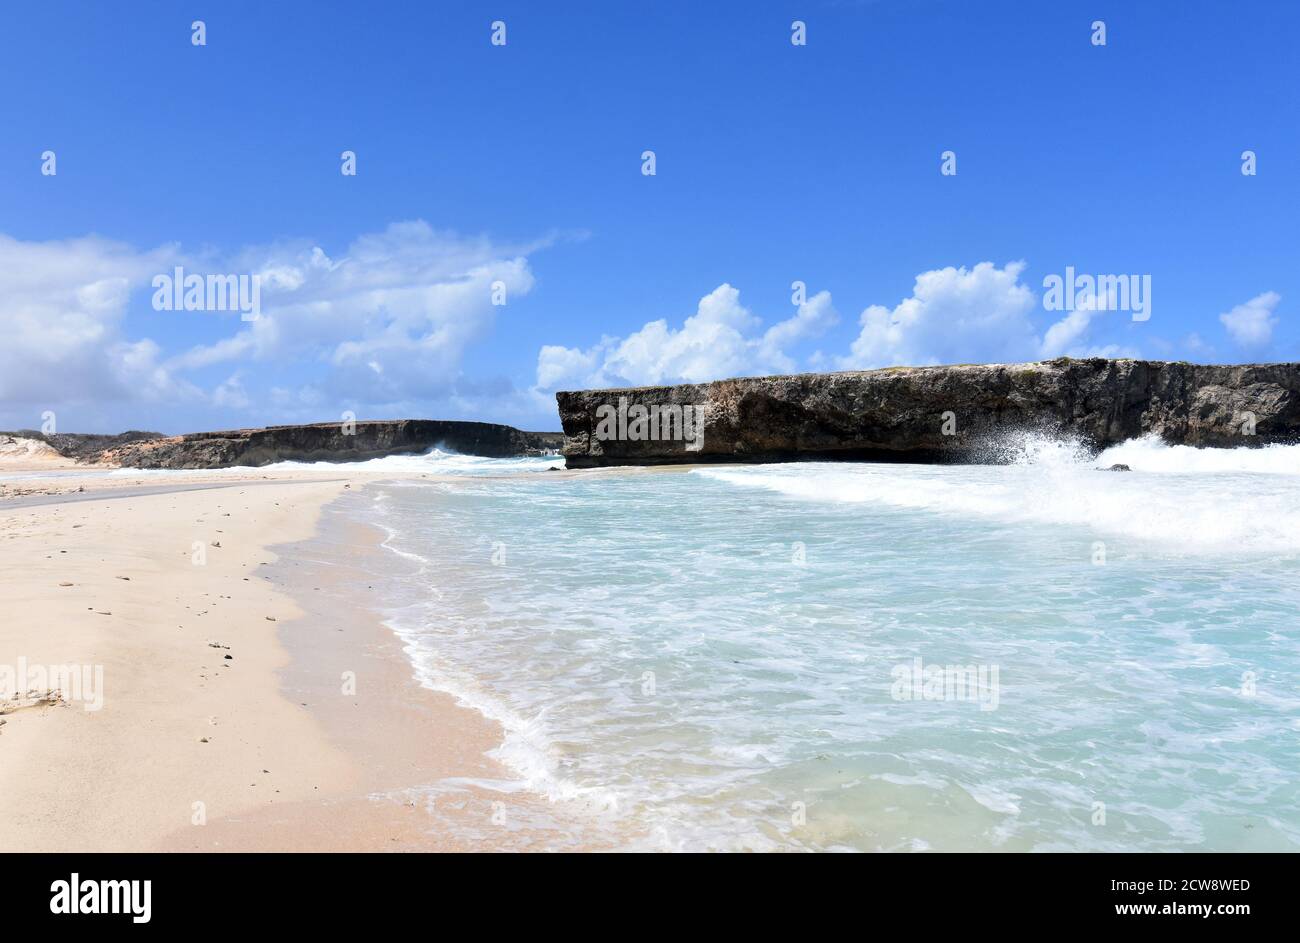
[319,442]
[931,414]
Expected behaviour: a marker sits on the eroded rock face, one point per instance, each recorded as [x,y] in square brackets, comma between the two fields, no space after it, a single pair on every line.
[937,414]
[82,447]
[320,442]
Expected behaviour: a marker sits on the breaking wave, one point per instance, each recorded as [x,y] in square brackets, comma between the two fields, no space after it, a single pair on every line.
[1182,499]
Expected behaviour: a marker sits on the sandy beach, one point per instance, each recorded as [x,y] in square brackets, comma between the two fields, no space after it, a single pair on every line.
[231,699]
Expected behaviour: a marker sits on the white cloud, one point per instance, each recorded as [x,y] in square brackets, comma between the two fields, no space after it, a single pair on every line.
[392,317]
[1251,324]
[556,364]
[231,393]
[976,315]
[812,319]
[983,314]
[1068,336]
[721,339]
[387,322]
[1065,333]
[62,304]
[954,315]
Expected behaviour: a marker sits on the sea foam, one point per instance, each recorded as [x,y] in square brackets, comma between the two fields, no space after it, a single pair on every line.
[1182,499]
[706,658]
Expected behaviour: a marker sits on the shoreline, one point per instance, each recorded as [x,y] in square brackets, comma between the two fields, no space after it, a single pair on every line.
[423,777]
[310,578]
[251,745]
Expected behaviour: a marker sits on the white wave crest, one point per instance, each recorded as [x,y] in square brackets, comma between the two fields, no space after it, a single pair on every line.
[1238,500]
[1150,454]
[433,462]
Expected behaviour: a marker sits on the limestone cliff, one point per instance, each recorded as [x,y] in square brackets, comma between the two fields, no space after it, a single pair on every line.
[935,414]
[319,442]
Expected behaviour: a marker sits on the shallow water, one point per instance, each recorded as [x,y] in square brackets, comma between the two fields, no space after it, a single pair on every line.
[723,657]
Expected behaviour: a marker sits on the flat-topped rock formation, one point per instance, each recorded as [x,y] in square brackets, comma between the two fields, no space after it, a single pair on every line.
[318,442]
[931,414]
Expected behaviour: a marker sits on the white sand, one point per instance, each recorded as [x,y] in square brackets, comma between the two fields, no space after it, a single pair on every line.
[195,751]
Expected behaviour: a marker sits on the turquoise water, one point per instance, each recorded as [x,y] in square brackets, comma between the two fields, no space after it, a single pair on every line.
[711,658]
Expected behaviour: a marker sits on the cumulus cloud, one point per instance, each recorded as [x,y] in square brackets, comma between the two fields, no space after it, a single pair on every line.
[1251,324]
[723,338]
[63,303]
[1068,336]
[391,317]
[976,315]
[387,321]
[953,315]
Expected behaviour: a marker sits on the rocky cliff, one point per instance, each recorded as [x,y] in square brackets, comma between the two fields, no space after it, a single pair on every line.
[319,442]
[932,414]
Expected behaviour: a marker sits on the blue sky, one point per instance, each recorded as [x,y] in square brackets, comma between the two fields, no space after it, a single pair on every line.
[522,164]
